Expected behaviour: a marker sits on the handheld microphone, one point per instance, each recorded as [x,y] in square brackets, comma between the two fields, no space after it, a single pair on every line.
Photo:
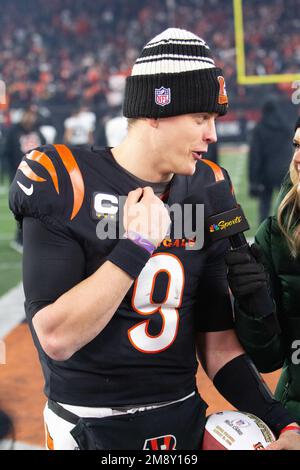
[226,219]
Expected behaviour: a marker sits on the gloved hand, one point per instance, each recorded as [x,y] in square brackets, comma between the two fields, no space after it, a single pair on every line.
[246,273]
[256,190]
[249,282]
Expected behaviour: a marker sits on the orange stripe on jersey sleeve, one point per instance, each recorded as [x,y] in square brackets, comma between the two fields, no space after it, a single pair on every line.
[46,162]
[27,171]
[219,176]
[75,175]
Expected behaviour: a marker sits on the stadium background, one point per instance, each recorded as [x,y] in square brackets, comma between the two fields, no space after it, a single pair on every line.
[57,54]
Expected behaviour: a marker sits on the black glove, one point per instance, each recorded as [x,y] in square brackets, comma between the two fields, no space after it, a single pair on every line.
[249,283]
[246,272]
[256,190]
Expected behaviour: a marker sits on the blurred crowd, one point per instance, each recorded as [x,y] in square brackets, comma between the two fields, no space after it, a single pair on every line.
[267,21]
[57,52]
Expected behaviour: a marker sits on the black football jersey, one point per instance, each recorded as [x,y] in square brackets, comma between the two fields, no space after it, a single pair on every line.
[146,353]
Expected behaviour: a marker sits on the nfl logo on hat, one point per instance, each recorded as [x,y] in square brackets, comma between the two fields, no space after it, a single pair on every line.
[162,96]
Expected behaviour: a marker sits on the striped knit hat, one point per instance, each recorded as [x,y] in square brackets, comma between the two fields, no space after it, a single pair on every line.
[175,74]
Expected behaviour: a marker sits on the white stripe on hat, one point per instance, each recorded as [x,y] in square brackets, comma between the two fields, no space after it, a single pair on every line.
[199,42]
[169,66]
[174,56]
[176,33]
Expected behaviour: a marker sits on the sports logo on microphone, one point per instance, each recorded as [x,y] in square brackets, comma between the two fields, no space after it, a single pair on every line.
[214,228]
[227,224]
[223,224]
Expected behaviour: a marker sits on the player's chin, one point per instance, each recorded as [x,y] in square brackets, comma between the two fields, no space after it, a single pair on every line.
[190,168]
[186,168]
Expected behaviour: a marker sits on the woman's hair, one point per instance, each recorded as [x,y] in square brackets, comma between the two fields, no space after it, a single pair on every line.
[288,213]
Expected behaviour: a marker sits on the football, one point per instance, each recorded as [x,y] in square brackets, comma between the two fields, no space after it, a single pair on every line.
[234,430]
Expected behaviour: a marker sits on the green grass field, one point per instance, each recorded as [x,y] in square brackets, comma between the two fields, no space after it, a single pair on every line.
[10,260]
[233,158]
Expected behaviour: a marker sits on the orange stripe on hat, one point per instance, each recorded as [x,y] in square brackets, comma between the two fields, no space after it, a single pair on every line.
[45,161]
[75,176]
[219,176]
[25,168]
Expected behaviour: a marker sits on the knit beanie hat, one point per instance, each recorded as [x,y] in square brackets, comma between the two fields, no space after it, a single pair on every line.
[175,74]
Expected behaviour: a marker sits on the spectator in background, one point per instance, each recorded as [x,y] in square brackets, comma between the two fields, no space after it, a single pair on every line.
[59,54]
[269,157]
[100,135]
[111,130]
[243,125]
[116,128]
[79,127]
[48,125]
[21,138]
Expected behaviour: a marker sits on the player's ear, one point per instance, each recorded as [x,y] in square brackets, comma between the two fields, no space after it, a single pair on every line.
[153,122]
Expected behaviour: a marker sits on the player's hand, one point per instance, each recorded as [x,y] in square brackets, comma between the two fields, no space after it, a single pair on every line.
[289,440]
[145,213]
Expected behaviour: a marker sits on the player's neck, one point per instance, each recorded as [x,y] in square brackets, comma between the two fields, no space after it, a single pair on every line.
[137,158]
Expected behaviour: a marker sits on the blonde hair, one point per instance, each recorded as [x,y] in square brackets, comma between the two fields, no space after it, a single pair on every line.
[288,212]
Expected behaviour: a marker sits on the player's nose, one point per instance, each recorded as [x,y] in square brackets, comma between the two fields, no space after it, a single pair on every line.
[210,133]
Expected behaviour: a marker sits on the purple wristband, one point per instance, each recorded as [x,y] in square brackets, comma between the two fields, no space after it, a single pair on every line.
[140,241]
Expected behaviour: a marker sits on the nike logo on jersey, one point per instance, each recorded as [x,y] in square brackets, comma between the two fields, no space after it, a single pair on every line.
[27,191]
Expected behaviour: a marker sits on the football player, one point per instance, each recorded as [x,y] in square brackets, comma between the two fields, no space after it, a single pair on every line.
[117,319]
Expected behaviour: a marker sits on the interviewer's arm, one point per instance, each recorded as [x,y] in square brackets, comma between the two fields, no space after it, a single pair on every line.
[257,327]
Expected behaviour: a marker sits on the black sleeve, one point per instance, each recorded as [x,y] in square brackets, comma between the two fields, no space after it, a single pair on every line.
[53,263]
[213,308]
